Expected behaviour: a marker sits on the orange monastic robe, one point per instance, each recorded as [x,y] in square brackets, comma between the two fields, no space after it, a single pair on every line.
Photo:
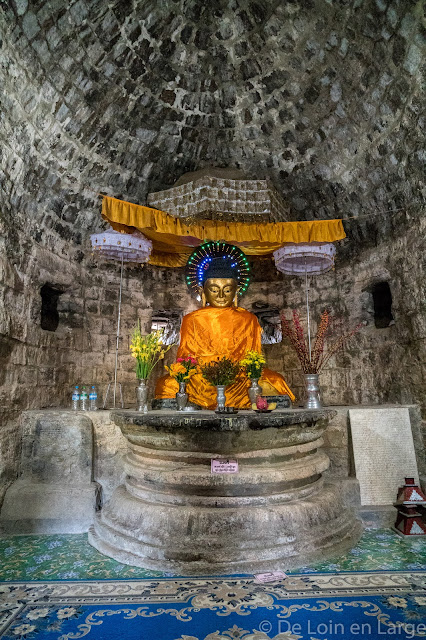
[210,333]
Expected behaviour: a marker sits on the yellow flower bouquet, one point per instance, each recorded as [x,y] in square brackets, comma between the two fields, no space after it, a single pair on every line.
[252,364]
[148,350]
[183,369]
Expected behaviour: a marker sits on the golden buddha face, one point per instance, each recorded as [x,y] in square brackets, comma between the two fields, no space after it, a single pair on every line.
[220,292]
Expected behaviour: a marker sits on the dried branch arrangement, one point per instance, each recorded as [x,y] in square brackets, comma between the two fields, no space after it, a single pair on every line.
[320,353]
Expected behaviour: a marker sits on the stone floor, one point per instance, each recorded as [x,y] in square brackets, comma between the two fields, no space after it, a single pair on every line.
[70,557]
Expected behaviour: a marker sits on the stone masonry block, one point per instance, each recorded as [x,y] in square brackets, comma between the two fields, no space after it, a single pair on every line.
[54,491]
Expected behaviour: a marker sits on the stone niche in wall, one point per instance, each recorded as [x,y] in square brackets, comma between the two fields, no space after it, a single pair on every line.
[377,302]
[270,321]
[169,322]
[382,305]
[49,317]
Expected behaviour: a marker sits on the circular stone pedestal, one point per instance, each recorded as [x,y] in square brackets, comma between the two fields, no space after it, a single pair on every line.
[173,514]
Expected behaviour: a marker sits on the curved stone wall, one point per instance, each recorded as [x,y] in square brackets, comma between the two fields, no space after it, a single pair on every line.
[322,96]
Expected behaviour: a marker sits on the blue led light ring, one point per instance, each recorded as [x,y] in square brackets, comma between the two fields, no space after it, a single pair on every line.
[199,259]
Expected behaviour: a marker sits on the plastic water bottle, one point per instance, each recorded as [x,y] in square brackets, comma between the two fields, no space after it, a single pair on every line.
[75,399]
[93,400]
[83,399]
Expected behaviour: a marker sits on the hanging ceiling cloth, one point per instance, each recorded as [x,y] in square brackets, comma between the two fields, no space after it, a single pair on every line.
[173,239]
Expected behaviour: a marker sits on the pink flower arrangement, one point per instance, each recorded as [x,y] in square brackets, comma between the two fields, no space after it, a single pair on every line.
[188,362]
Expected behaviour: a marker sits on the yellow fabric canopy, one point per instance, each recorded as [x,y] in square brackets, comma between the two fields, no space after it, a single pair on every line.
[174,239]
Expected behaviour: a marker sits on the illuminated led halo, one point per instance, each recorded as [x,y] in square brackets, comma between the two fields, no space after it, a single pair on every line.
[199,260]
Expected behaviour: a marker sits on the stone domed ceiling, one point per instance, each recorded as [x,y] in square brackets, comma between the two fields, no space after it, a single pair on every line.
[322,96]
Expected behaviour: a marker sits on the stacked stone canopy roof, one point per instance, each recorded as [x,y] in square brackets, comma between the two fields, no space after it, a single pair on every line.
[321,96]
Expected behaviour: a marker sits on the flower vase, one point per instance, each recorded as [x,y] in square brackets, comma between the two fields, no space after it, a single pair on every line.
[181,397]
[220,397]
[142,395]
[312,386]
[254,390]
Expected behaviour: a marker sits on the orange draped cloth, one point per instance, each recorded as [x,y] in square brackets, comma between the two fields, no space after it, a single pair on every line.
[210,333]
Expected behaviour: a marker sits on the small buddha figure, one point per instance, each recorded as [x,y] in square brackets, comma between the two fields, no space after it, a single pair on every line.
[220,328]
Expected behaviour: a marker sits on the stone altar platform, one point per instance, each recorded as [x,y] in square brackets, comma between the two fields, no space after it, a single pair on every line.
[173,514]
[70,457]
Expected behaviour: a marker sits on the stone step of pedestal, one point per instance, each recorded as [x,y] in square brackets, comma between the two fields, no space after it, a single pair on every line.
[233,550]
[46,508]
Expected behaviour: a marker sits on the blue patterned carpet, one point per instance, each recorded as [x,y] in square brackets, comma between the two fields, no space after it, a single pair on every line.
[300,607]
[59,587]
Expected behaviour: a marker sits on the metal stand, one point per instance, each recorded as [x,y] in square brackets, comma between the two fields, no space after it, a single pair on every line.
[118,335]
[307,309]
[128,247]
[104,406]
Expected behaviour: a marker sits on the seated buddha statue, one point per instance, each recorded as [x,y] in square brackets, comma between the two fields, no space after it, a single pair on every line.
[220,329]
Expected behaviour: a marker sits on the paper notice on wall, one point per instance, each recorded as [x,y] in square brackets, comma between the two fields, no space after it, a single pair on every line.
[383,451]
[221,465]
